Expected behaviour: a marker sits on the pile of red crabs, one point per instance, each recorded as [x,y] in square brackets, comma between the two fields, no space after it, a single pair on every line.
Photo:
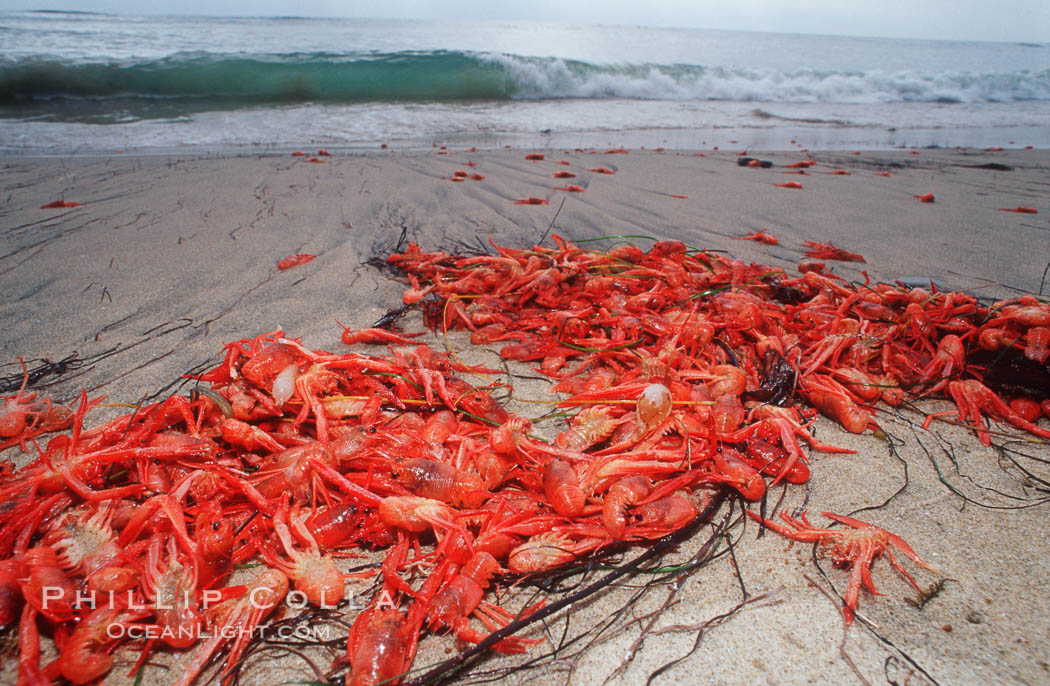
[678,374]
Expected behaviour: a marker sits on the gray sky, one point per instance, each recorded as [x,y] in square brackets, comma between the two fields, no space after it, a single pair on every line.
[1003,20]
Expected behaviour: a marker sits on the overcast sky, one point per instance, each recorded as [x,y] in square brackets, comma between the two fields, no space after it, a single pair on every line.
[1003,20]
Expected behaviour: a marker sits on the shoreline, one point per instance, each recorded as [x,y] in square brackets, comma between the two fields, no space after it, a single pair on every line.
[734,148]
[170,256]
[568,124]
[786,140]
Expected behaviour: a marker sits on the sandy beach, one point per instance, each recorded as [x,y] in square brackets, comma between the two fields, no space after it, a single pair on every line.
[170,257]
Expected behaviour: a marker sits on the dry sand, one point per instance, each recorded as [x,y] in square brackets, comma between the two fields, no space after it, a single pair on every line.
[172,256]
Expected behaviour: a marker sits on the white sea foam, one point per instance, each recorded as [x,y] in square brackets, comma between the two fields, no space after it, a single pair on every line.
[564,124]
[539,78]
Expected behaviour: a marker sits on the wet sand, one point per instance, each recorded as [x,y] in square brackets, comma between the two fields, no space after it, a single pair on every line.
[170,257]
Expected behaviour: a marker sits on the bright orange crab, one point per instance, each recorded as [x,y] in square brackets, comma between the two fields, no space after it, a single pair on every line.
[855,548]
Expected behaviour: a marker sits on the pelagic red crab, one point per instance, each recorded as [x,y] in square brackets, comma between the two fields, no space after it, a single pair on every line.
[688,374]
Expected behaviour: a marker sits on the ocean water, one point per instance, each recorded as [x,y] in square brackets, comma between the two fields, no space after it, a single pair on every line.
[84,82]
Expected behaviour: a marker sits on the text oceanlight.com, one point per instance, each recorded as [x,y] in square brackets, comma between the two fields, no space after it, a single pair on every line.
[322,632]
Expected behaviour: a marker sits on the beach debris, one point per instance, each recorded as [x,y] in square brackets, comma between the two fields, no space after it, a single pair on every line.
[564,175]
[855,548]
[615,151]
[974,400]
[295,261]
[828,251]
[460,175]
[1026,408]
[535,156]
[806,266]
[883,173]
[531,201]
[601,170]
[927,197]
[1020,210]
[760,237]
[565,163]
[803,164]
[678,196]
[752,162]
[375,336]
[61,204]
[1010,370]
[24,415]
[382,644]
[992,166]
[790,184]
[298,153]
[323,153]
[698,376]
[314,160]
[570,189]
[841,172]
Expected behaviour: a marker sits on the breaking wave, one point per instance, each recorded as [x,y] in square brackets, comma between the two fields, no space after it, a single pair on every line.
[232,81]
